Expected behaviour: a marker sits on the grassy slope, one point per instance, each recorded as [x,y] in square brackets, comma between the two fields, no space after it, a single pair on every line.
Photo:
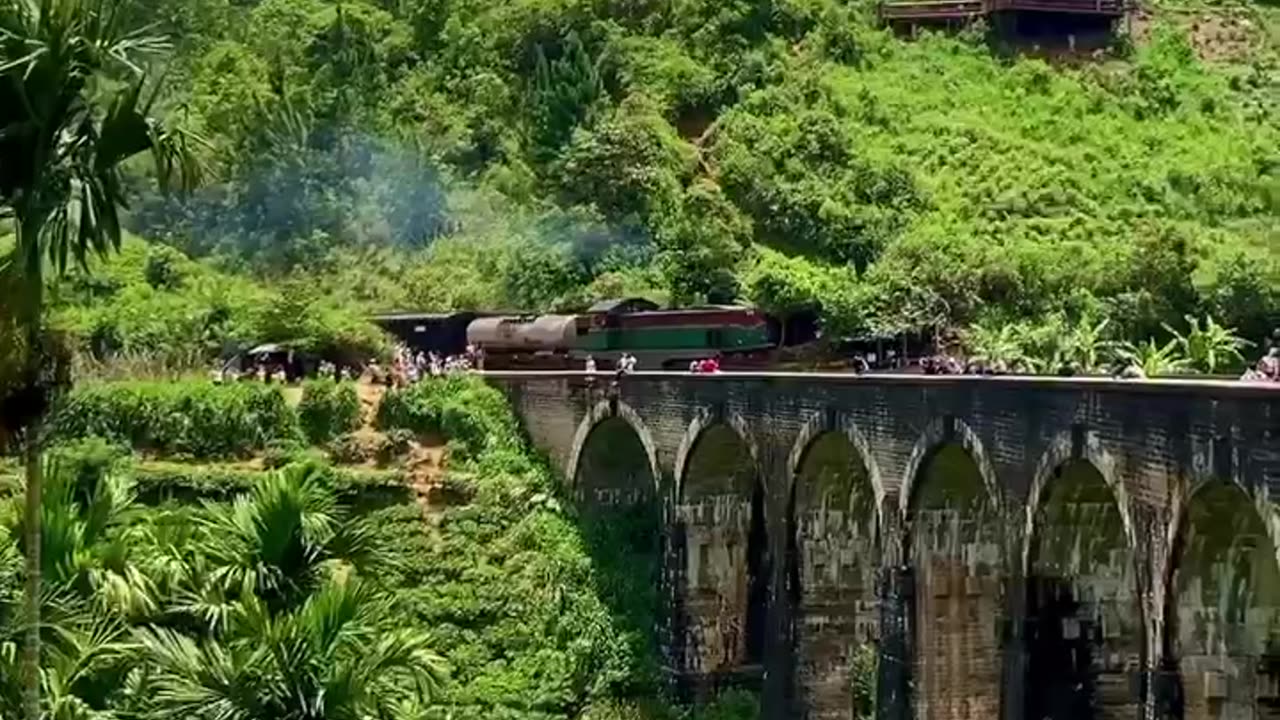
[1044,179]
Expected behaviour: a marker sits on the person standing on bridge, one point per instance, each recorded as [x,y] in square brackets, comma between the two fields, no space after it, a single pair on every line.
[1269,365]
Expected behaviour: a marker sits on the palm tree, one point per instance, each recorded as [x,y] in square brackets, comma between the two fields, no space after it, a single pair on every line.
[89,591]
[89,656]
[335,656]
[71,112]
[282,539]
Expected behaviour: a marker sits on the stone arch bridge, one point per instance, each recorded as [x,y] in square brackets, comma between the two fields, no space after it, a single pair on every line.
[1039,548]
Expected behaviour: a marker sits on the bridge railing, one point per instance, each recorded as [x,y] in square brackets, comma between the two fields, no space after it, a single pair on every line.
[1207,386]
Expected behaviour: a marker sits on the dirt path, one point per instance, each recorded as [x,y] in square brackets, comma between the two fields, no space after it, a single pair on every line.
[370,399]
[424,472]
[423,466]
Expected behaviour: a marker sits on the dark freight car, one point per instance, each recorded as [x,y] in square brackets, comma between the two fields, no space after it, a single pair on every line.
[441,333]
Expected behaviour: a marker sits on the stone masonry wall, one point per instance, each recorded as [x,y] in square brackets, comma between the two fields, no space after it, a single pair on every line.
[1146,621]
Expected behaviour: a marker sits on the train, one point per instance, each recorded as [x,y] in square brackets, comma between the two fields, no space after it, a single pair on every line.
[658,339]
[743,337]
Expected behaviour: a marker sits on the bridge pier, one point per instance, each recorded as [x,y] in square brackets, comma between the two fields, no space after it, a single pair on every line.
[1013,547]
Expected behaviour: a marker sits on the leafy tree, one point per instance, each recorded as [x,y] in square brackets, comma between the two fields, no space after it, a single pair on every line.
[295,316]
[64,133]
[565,91]
[702,242]
[785,286]
[630,164]
[538,275]
[788,160]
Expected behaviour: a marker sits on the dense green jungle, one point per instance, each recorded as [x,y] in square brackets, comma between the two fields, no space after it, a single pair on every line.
[181,179]
[1022,202]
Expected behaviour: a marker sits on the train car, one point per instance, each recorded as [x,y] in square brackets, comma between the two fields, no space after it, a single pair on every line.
[441,333]
[670,339]
[526,341]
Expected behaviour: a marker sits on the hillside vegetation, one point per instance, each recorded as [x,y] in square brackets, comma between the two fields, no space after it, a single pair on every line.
[541,153]
[278,584]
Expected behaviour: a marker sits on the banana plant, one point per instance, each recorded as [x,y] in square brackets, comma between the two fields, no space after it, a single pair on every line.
[1155,359]
[1210,347]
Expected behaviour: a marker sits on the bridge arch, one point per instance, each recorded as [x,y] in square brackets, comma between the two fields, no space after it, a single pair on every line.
[599,413]
[1065,449]
[834,521]
[615,484]
[1086,635]
[1220,635]
[954,544]
[720,544]
[937,435]
[820,424]
[703,419]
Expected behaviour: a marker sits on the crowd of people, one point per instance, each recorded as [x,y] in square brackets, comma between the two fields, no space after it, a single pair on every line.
[408,367]
[627,364]
[705,365]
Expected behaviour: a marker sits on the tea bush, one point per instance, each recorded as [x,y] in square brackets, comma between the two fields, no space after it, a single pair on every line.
[472,415]
[328,409]
[158,482]
[507,580]
[194,418]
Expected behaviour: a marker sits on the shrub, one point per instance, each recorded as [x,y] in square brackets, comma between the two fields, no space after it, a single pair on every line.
[328,409]
[863,678]
[194,418]
[472,415]
[395,443]
[88,458]
[349,448]
[158,482]
[279,453]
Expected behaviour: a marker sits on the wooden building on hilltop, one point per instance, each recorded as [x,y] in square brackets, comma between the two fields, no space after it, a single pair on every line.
[911,12]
